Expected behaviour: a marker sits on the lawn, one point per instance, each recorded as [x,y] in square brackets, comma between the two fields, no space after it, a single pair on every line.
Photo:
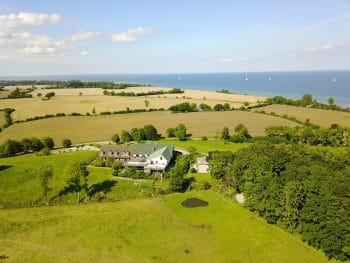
[147,230]
[20,183]
[324,118]
[98,128]
[206,146]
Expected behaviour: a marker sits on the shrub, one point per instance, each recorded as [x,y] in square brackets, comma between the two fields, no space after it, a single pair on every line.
[48,142]
[67,143]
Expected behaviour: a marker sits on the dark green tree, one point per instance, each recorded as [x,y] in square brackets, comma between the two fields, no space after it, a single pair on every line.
[67,143]
[181,132]
[48,142]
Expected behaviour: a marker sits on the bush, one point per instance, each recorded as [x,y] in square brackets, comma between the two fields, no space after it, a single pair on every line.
[48,142]
[67,143]
[204,138]
[193,170]
[219,107]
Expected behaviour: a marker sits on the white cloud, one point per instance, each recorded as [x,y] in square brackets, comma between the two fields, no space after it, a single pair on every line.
[290,55]
[15,40]
[13,21]
[84,35]
[84,53]
[320,48]
[226,60]
[131,35]
[23,42]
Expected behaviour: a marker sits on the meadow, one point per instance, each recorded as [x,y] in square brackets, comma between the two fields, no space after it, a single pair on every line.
[148,230]
[98,128]
[20,183]
[204,147]
[324,118]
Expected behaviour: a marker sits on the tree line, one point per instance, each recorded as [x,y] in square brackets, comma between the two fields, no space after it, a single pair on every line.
[334,136]
[306,101]
[138,94]
[304,190]
[192,107]
[27,145]
[18,93]
[148,132]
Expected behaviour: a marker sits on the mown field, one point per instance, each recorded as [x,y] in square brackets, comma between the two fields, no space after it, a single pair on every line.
[204,147]
[68,101]
[98,128]
[324,118]
[20,183]
[148,230]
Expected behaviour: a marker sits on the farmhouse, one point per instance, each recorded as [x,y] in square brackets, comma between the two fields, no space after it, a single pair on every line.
[147,156]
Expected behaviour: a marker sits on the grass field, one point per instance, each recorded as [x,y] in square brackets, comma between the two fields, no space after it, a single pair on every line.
[148,230]
[99,128]
[206,146]
[20,184]
[68,101]
[323,118]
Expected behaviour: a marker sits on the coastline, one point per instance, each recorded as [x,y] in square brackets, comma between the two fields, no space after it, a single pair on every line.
[321,84]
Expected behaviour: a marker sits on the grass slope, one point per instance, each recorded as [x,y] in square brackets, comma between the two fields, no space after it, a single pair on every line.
[20,184]
[324,118]
[98,128]
[148,230]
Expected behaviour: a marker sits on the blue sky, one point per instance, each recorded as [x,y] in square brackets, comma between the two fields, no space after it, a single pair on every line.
[83,37]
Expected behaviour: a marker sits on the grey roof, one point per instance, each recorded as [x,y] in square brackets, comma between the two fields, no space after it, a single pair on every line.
[143,149]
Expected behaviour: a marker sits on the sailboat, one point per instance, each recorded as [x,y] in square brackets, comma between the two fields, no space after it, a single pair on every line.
[334,80]
[270,78]
[246,77]
[179,78]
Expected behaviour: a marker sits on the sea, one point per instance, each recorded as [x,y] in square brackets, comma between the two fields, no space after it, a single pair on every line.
[321,84]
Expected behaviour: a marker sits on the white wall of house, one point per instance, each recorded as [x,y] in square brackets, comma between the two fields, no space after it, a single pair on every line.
[157,163]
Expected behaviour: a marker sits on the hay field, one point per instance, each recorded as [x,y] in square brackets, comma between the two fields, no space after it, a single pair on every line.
[194,94]
[98,128]
[30,107]
[324,118]
[148,230]
[2,118]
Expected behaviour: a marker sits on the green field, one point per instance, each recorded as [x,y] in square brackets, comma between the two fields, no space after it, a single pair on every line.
[206,146]
[98,128]
[324,118]
[20,184]
[148,230]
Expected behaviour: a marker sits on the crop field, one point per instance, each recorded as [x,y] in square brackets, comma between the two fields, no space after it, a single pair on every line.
[204,147]
[2,118]
[324,118]
[85,100]
[20,184]
[98,128]
[148,230]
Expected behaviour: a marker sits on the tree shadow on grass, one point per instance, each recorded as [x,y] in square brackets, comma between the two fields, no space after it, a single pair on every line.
[66,190]
[105,187]
[4,167]
[188,182]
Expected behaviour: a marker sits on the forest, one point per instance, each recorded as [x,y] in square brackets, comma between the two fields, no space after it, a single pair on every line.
[305,190]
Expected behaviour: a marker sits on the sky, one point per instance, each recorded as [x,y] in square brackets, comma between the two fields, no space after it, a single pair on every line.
[40,37]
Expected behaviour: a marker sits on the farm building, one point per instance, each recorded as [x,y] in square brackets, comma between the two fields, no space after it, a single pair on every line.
[147,156]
